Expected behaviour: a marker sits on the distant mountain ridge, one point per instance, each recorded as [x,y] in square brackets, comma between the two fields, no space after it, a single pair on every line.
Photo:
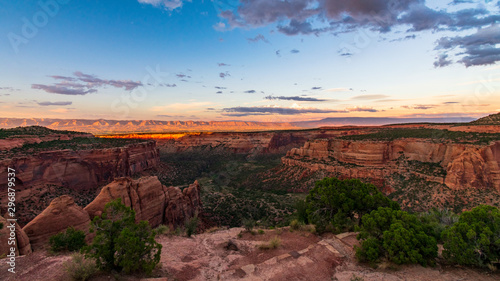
[493,119]
[104,126]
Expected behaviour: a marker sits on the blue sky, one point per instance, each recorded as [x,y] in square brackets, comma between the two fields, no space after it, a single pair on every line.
[263,60]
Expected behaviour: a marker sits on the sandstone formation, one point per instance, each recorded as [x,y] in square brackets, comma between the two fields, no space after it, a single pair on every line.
[57,217]
[22,242]
[151,200]
[78,173]
[466,165]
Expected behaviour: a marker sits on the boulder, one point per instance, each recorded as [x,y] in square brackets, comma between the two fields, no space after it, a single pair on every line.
[22,242]
[57,217]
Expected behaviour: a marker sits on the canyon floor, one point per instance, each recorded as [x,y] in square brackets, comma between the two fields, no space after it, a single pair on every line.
[208,256]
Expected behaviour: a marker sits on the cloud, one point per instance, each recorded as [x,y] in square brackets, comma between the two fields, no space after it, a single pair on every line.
[420,106]
[369,97]
[223,64]
[219,92]
[294,51]
[170,116]
[82,84]
[294,98]
[10,89]
[442,61]
[166,4]
[223,75]
[62,90]
[298,17]
[58,103]
[278,53]
[263,110]
[250,92]
[258,38]
[220,88]
[362,109]
[478,48]
[180,75]
[316,88]
[169,85]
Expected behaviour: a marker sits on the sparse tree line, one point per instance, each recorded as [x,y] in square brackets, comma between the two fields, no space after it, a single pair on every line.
[387,233]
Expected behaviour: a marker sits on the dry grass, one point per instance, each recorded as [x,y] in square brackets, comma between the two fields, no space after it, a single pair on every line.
[273,243]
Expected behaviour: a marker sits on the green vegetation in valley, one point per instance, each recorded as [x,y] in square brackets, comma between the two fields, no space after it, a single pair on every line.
[390,134]
[231,189]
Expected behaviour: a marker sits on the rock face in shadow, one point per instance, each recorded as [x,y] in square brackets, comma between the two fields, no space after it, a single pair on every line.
[57,217]
[151,200]
[44,176]
[182,205]
[22,242]
[80,170]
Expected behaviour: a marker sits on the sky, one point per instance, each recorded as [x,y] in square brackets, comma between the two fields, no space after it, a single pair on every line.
[255,60]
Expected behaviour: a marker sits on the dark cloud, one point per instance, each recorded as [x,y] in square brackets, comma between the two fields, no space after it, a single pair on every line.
[295,98]
[170,116]
[442,61]
[219,92]
[83,84]
[300,27]
[258,38]
[261,110]
[369,97]
[180,75]
[220,88]
[294,51]
[62,90]
[250,92]
[58,103]
[346,54]
[210,108]
[450,102]
[224,74]
[170,85]
[479,48]
[297,17]
[278,53]
[316,88]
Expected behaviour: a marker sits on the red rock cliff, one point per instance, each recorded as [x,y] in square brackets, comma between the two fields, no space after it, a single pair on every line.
[466,165]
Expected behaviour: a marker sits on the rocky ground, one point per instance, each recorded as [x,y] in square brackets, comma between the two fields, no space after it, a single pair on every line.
[211,256]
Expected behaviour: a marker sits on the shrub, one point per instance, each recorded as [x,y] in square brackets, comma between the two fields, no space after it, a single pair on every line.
[162,229]
[70,240]
[301,211]
[261,231]
[248,224]
[295,225]
[336,205]
[120,243]
[396,236]
[79,268]
[436,221]
[475,238]
[191,226]
[273,243]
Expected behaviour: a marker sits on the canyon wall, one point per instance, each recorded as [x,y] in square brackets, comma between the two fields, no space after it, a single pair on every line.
[79,170]
[466,165]
[45,175]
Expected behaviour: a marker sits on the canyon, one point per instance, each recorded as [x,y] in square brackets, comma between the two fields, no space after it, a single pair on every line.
[45,175]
